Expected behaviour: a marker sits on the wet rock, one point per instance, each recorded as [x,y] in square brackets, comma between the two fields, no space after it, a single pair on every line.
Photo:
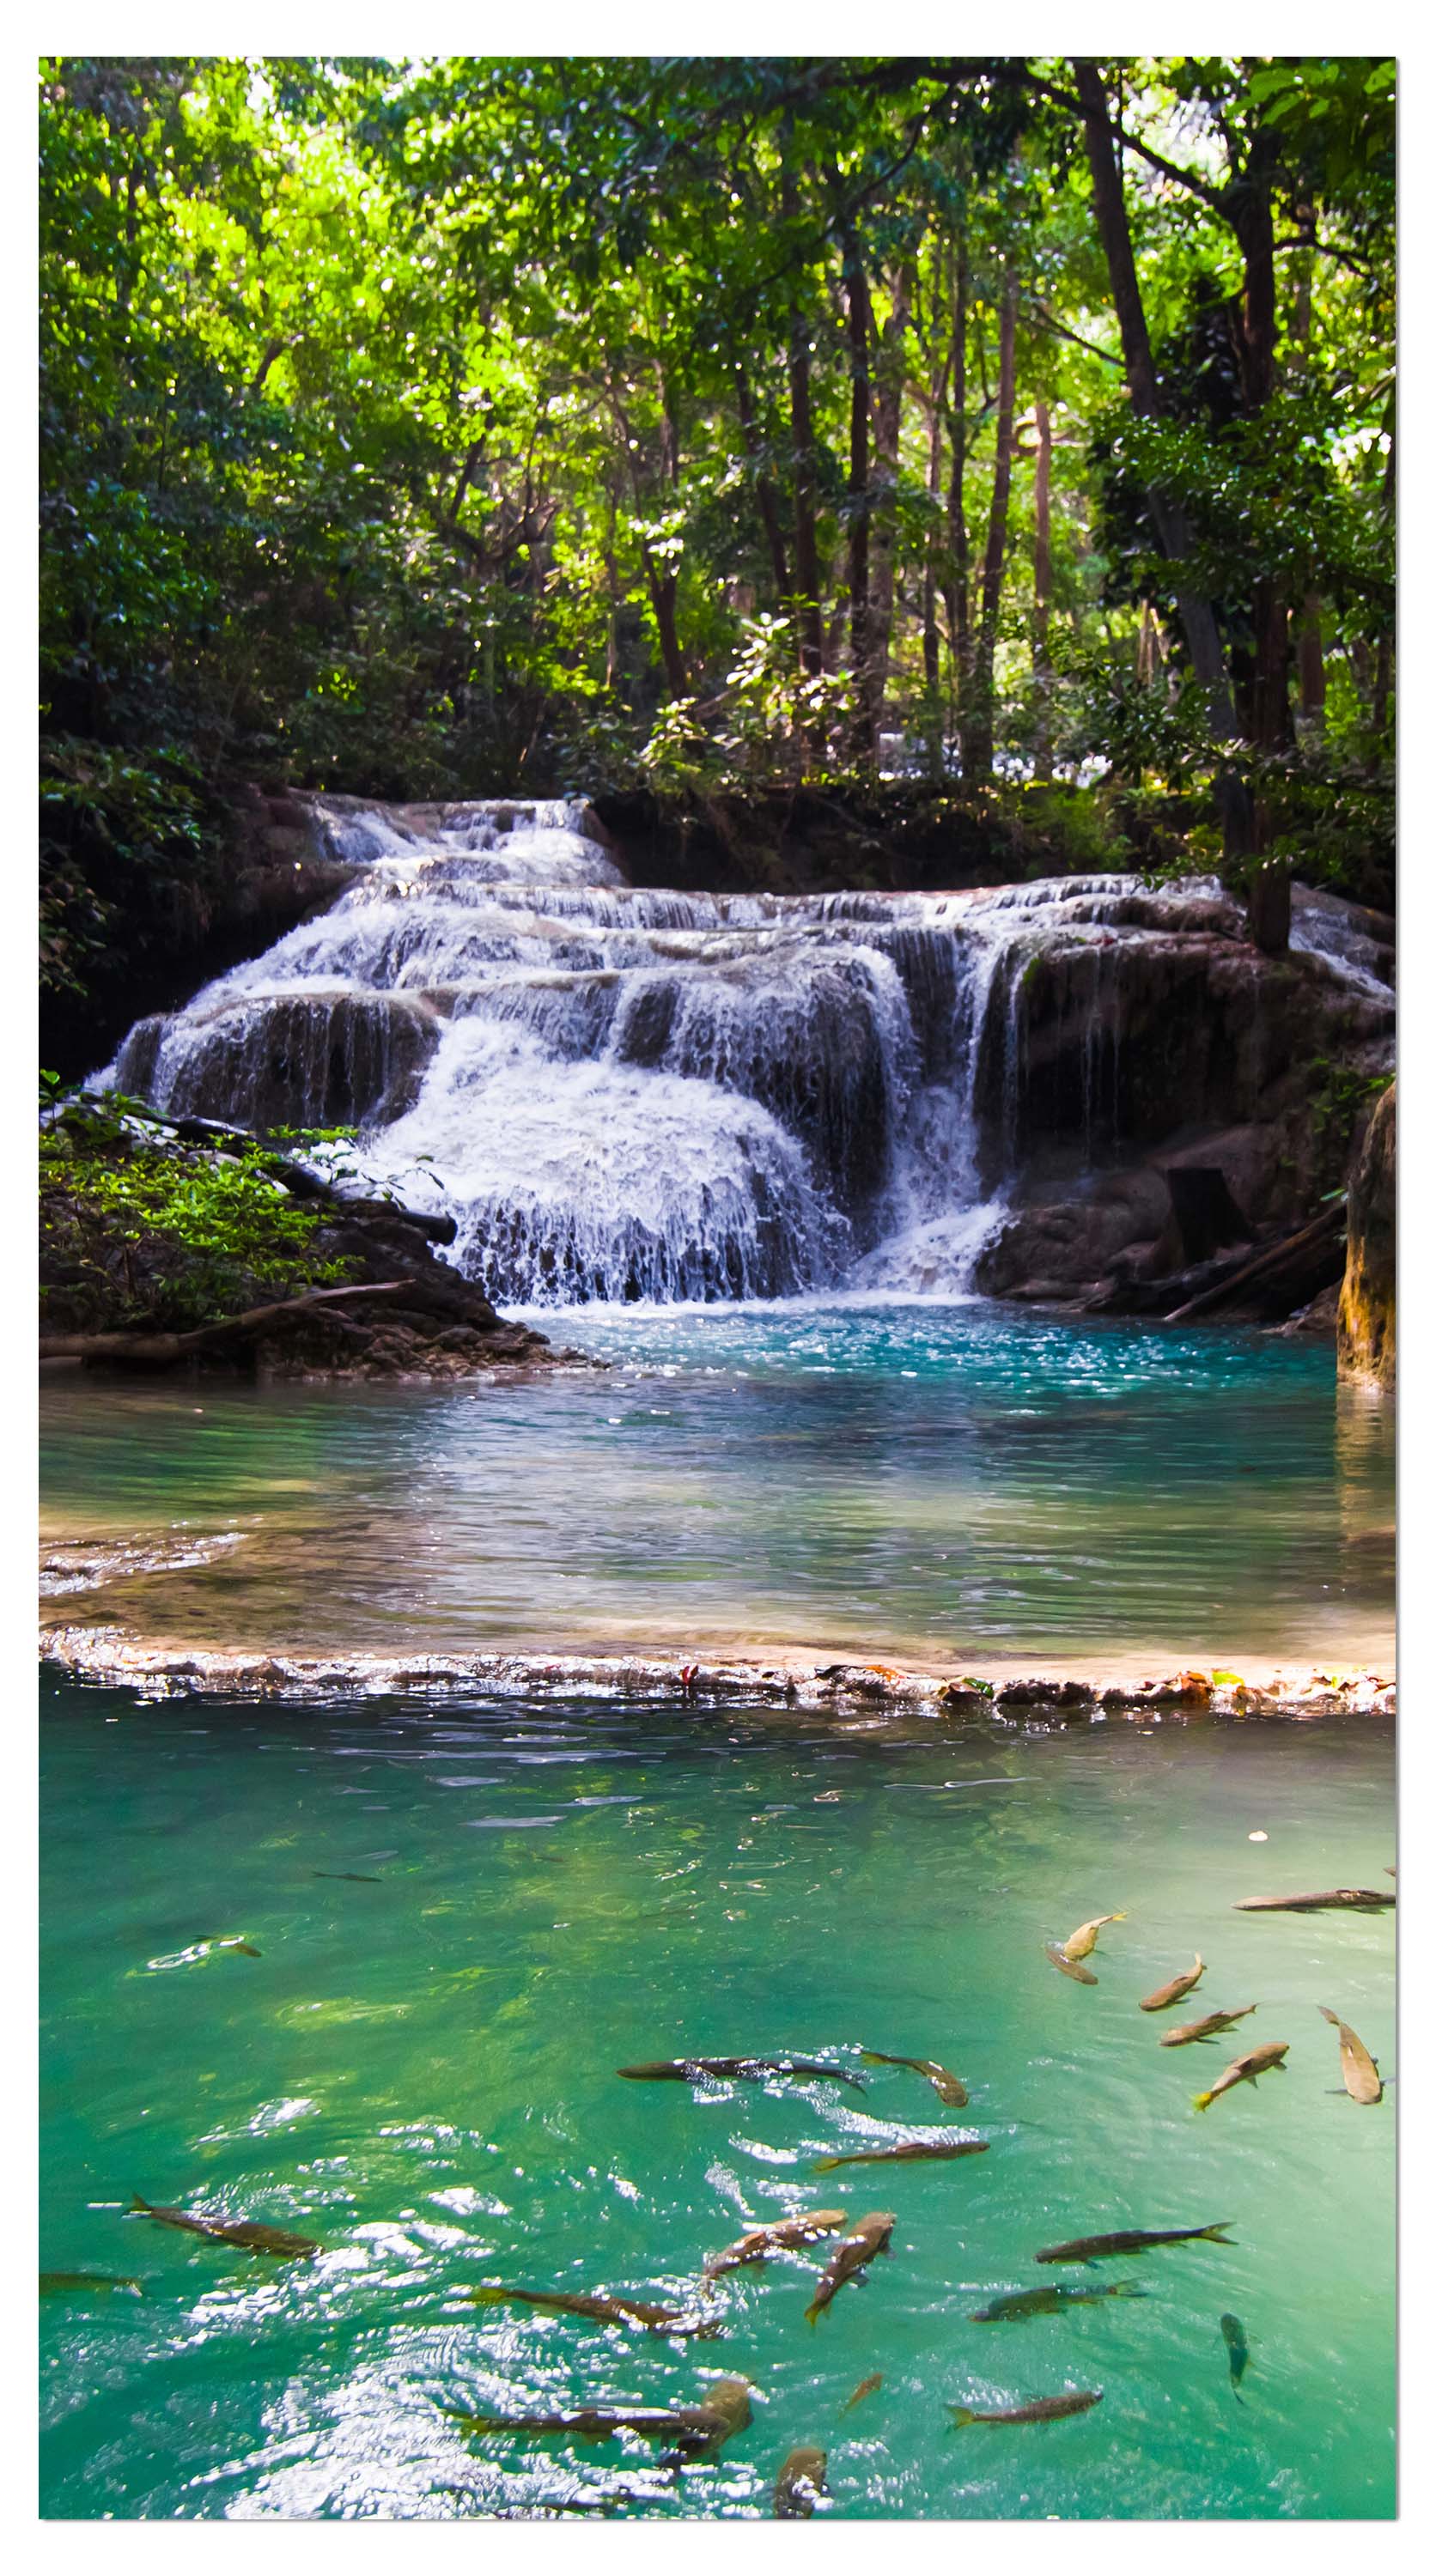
[1366,1329]
[1204,1212]
[911,1701]
[325,1058]
[1320,1316]
[1046,1694]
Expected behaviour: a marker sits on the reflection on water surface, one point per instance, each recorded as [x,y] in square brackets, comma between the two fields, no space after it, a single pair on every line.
[919,1480]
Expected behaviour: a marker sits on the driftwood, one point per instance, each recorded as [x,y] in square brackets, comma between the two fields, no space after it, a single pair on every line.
[162,1350]
[1306,1236]
[1359,1900]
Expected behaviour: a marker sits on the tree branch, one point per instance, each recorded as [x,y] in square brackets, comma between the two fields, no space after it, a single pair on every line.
[1046,321]
[161,1350]
[1216,198]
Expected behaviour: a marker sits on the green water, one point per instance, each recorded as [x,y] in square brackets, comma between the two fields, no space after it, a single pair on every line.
[921,1480]
[419,2072]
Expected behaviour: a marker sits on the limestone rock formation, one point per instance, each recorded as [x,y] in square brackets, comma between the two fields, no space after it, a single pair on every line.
[1366,1324]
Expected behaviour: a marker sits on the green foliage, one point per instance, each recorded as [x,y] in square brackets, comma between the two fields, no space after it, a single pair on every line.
[1337,1098]
[156,1231]
[435,428]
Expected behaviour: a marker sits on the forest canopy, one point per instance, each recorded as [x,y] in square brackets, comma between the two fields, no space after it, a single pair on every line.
[491,426]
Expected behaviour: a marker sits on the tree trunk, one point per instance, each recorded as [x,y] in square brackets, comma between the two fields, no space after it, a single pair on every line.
[931,641]
[887,431]
[1199,625]
[763,485]
[807,579]
[1042,594]
[1381,693]
[1271,684]
[1310,663]
[663,592]
[1251,221]
[859,314]
[1269,908]
[977,728]
[958,629]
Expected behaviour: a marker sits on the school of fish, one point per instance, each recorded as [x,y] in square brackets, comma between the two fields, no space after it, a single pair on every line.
[699,2430]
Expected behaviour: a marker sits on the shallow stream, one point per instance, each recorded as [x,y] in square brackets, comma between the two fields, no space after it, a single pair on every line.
[934,1480]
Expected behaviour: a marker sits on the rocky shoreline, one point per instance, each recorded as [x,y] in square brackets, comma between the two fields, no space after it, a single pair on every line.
[115,1656]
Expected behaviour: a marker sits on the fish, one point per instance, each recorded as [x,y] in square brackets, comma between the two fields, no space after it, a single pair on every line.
[1038,2410]
[1132,2240]
[199,1950]
[912,2151]
[948,2087]
[865,2388]
[1084,1939]
[1364,1900]
[1243,2070]
[801,2480]
[1048,2301]
[698,2431]
[1069,1967]
[1234,2337]
[1174,1990]
[1358,2067]
[247,2233]
[735,2070]
[869,2237]
[357,1877]
[1206,2028]
[605,2311]
[778,2238]
[60,2285]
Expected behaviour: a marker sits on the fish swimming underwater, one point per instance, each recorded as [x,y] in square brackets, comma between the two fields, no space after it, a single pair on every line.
[206,1949]
[1048,2301]
[698,2431]
[948,2087]
[735,2070]
[1038,2410]
[1358,2067]
[602,2309]
[865,2388]
[98,2285]
[1234,2337]
[912,2151]
[801,2480]
[1069,1967]
[1132,2240]
[1206,2028]
[778,2238]
[1173,1992]
[246,2233]
[869,2237]
[1078,1944]
[1244,2070]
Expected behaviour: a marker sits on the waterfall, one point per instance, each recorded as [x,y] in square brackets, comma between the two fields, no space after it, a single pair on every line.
[621,1092]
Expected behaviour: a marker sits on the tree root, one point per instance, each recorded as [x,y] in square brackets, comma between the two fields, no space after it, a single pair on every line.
[163,1350]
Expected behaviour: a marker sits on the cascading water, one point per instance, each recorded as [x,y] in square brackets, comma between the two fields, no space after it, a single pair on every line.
[623,1093]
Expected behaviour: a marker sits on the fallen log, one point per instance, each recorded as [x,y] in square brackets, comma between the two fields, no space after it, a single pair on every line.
[1272,1259]
[162,1350]
[1358,1900]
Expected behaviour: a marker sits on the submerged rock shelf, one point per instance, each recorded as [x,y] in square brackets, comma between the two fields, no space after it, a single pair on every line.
[112,1656]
